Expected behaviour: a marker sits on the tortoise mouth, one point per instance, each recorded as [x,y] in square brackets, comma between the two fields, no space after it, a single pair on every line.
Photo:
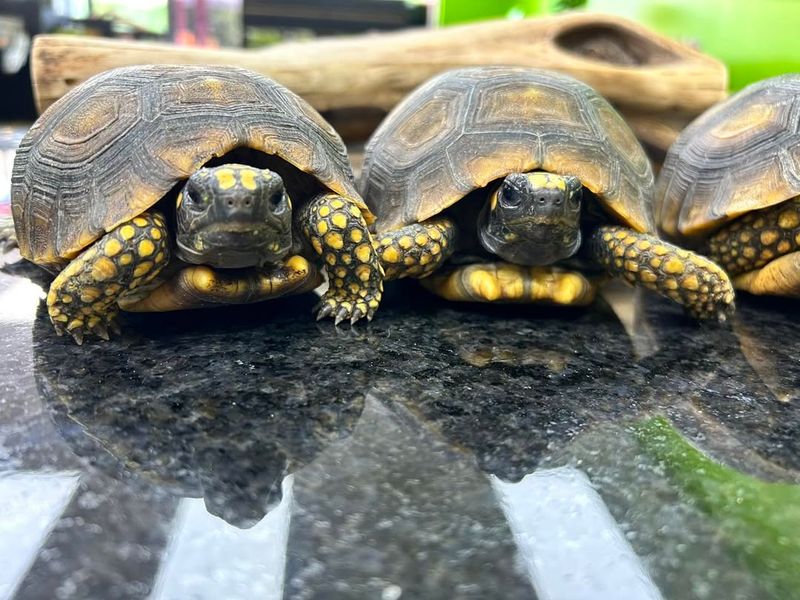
[232,246]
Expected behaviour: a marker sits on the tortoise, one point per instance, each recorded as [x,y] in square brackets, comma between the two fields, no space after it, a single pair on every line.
[730,186]
[506,184]
[156,188]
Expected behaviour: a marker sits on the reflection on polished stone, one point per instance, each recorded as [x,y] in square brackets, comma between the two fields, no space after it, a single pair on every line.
[394,433]
[195,414]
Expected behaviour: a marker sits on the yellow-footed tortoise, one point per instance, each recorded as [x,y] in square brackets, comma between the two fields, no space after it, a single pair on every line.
[519,181]
[170,187]
[730,186]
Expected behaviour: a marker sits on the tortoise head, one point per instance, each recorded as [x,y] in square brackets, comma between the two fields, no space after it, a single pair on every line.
[233,216]
[533,218]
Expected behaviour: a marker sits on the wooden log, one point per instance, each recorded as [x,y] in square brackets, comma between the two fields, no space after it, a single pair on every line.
[629,64]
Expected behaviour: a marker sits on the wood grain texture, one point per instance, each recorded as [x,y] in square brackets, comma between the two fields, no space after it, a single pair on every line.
[627,63]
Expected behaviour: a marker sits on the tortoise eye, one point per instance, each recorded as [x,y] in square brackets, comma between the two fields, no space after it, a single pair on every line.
[510,198]
[193,198]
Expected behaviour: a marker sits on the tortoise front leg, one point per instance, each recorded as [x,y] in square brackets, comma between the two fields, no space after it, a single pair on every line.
[83,297]
[336,229]
[692,280]
[416,250]
[760,250]
[505,282]
[201,286]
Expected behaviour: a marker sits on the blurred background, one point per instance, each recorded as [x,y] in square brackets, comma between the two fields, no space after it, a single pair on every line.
[752,38]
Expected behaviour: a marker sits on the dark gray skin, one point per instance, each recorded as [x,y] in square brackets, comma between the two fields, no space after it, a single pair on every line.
[234,216]
[528,223]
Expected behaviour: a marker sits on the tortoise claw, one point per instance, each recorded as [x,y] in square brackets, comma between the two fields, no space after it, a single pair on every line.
[101,331]
[341,315]
[324,310]
[357,314]
[77,335]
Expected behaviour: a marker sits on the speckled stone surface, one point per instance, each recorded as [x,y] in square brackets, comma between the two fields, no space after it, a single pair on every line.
[377,462]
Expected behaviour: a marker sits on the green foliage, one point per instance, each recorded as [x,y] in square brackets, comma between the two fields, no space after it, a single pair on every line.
[759,521]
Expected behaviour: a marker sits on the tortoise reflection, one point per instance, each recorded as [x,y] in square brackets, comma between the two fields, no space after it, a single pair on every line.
[224,418]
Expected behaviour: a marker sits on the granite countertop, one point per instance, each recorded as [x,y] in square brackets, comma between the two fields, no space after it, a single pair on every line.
[443,451]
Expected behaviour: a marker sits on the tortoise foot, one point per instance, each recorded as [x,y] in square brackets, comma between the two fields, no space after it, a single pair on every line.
[338,232]
[83,298]
[692,280]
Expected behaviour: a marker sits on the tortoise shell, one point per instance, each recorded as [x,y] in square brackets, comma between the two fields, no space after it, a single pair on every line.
[465,128]
[114,146]
[741,155]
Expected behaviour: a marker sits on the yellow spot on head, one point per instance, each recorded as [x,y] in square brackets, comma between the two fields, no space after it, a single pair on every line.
[248,179]
[140,221]
[226,178]
[334,240]
[337,203]
[364,252]
[671,284]
[322,228]
[103,269]
[155,233]
[356,235]
[405,242]
[127,232]
[324,211]
[339,220]
[660,250]
[66,298]
[146,248]
[436,248]
[421,239]
[493,200]
[643,245]
[112,247]
[330,258]
[317,245]
[159,257]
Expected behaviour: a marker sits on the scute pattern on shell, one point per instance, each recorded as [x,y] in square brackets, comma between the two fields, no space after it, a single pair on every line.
[741,155]
[468,127]
[115,145]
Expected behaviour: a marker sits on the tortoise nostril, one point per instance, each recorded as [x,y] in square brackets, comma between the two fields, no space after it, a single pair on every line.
[230,203]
